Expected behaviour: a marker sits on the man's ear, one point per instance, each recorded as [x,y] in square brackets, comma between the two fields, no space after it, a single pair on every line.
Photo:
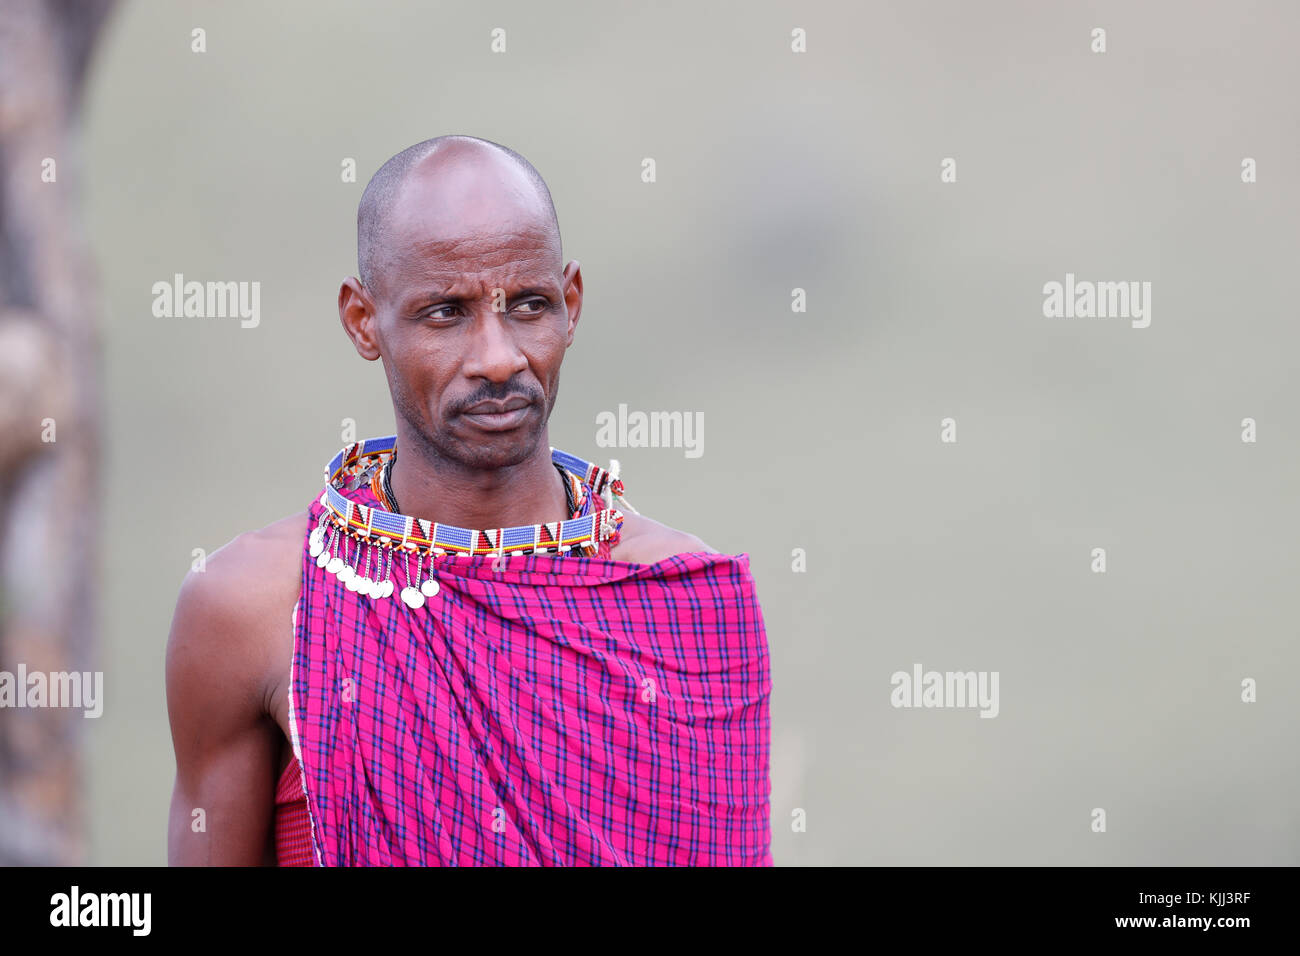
[357,313]
[572,296]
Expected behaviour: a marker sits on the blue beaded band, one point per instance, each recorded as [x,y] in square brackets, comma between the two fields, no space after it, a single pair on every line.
[375,525]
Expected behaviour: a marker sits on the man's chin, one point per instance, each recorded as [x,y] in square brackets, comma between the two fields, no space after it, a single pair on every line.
[488,449]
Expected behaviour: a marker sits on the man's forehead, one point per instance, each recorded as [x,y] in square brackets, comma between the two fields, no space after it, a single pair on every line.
[433,248]
[498,243]
[462,200]
[504,257]
[479,222]
[428,234]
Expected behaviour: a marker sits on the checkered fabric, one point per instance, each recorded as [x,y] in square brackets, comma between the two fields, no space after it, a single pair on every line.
[539,710]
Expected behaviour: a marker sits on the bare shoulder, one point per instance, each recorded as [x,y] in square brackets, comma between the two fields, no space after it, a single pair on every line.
[646,541]
[232,610]
[230,636]
[250,573]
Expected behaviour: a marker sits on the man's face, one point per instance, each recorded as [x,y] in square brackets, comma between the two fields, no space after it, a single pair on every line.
[472,318]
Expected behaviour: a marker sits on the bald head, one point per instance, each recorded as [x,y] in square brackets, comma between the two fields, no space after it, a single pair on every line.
[451,173]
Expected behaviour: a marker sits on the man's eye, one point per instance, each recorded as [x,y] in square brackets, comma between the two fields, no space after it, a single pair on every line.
[433,314]
[538,306]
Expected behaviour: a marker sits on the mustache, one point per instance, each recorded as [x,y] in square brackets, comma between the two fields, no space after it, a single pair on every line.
[500,393]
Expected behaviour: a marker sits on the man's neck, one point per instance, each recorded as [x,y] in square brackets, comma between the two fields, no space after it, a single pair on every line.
[438,490]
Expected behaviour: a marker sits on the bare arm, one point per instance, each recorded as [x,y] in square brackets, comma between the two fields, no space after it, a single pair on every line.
[226,743]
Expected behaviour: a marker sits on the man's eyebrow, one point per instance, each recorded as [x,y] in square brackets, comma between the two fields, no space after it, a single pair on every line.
[542,290]
[450,294]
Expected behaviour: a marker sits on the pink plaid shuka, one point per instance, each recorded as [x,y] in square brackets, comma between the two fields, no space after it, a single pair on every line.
[544,710]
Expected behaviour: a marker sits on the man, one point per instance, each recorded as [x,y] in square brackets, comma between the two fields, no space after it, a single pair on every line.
[472,651]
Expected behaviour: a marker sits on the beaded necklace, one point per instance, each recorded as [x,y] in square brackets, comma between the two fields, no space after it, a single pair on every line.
[382,486]
[347,528]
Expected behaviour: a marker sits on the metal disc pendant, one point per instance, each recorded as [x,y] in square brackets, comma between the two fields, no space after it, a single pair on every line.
[429,588]
[377,590]
[345,573]
[316,542]
[412,598]
[334,565]
[322,559]
[387,589]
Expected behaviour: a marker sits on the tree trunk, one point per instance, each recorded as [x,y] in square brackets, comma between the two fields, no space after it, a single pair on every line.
[49,421]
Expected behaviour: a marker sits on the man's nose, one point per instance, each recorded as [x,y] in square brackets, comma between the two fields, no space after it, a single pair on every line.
[493,352]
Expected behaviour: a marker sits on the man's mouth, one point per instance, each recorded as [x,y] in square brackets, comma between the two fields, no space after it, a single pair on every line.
[499,416]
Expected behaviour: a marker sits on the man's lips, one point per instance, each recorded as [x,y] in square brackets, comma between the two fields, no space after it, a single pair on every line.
[499,416]
[496,408]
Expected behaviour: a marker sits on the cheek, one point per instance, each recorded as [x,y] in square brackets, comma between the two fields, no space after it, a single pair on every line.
[547,352]
[419,374]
